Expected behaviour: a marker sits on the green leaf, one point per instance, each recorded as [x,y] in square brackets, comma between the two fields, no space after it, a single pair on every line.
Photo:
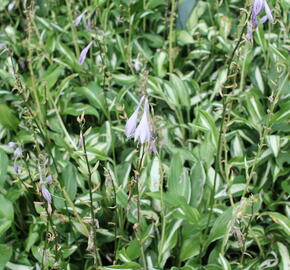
[6,253]
[32,237]
[3,167]
[181,90]
[69,176]
[126,266]
[151,4]
[13,266]
[224,262]
[184,38]
[284,254]
[190,247]
[259,79]
[208,122]
[95,95]
[273,142]
[169,241]
[7,119]
[124,80]
[280,219]
[185,8]
[221,226]
[6,214]
[198,178]
[255,110]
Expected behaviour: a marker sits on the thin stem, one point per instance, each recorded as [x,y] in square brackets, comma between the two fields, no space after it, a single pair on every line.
[93,224]
[73,28]
[163,216]
[61,123]
[108,114]
[245,240]
[265,132]
[218,166]
[170,49]
[139,231]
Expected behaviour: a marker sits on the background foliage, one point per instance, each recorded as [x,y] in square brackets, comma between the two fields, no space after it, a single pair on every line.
[223,129]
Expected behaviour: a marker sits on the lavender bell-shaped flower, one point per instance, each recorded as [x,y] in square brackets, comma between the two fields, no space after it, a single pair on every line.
[142,132]
[132,121]
[45,192]
[84,53]
[258,6]
[268,15]
[79,18]
[17,154]
[11,5]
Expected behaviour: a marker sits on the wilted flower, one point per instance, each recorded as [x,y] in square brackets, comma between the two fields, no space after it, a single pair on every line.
[132,121]
[17,154]
[142,132]
[84,52]
[258,6]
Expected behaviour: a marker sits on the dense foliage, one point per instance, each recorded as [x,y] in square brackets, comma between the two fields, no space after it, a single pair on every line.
[76,193]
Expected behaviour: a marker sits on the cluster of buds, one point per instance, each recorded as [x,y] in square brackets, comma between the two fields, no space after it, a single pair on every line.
[145,131]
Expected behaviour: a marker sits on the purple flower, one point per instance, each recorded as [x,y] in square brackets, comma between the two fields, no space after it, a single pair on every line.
[46,194]
[137,64]
[48,180]
[12,144]
[132,121]
[17,153]
[79,18]
[250,31]
[84,52]
[152,147]
[11,5]
[258,6]
[142,132]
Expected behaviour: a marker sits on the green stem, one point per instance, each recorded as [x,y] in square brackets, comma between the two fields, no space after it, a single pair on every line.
[218,166]
[163,216]
[170,49]
[139,230]
[93,224]
[73,28]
